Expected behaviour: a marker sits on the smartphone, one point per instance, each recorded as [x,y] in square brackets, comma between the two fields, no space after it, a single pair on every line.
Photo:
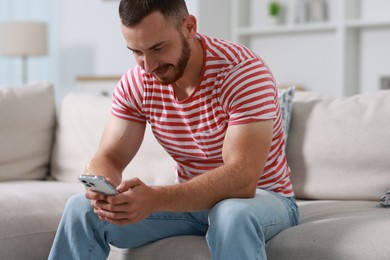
[98,184]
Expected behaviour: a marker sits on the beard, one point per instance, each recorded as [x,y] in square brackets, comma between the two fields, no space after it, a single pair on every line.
[179,67]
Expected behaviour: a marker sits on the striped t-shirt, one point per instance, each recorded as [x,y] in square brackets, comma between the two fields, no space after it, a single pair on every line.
[236,87]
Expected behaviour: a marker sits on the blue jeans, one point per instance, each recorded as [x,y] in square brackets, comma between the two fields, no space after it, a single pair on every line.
[234,228]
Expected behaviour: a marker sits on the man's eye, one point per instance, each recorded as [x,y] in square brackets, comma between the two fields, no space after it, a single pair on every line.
[157,49]
[137,53]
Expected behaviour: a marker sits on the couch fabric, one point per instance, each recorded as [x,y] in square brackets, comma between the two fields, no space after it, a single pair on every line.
[29,215]
[340,146]
[337,149]
[81,123]
[27,119]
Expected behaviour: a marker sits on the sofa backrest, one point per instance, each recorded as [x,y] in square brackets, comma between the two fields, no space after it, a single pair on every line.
[82,119]
[339,148]
[27,122]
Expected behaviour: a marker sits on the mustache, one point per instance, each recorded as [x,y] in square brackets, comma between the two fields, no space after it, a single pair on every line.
[161,68]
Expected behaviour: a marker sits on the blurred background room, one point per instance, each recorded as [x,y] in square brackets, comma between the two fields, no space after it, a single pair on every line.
[335,47]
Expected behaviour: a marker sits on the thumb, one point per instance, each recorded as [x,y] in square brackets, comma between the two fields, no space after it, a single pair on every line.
[128,184]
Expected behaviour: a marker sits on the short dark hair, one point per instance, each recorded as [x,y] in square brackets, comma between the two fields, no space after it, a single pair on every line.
[132,12]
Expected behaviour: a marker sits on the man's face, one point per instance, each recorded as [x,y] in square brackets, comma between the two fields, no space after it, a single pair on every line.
[158,47]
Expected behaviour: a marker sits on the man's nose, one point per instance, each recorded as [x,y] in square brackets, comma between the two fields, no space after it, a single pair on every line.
[149,63]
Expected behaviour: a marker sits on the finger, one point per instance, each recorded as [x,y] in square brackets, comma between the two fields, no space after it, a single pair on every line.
[101,213]
[120,218]
[111,207]
[121,198]
[128,184]
[93,195]
[93,204]
[112,216]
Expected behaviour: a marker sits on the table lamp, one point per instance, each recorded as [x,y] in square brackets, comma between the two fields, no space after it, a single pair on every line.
[23,38]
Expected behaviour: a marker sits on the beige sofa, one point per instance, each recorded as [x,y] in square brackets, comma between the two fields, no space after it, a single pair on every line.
[338,149]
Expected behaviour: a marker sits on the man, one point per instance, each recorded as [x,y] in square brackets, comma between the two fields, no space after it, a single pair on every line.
[213,106]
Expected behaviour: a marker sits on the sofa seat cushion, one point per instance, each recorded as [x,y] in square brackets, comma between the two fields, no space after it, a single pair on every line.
[173,248]
[29,215]
[27,123]
[341,230]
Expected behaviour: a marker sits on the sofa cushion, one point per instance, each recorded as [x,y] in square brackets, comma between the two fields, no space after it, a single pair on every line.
[29,215]
[81,123]
[172,248]
[341,230]
[27,118]
[338,148]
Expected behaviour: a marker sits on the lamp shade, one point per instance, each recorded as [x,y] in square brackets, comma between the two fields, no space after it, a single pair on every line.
[19,38]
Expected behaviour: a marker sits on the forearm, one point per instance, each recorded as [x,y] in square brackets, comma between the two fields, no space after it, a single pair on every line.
[104,166]
[113,156]
[204,191]
[245,153]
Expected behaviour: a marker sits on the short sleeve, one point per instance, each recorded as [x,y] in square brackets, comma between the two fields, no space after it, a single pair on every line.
[127,100]
[249,94]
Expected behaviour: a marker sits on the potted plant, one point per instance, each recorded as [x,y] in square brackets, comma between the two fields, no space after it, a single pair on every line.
[274,12]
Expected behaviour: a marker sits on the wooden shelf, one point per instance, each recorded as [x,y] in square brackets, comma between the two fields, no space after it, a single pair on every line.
[98,78]
[367,24]
[286,29]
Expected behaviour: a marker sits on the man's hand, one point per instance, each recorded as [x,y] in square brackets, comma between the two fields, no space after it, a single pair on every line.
[134,203]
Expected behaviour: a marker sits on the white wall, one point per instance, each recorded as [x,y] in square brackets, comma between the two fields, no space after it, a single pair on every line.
[85,39]
[375,61]
[305,67]
[90,41]
[214,18]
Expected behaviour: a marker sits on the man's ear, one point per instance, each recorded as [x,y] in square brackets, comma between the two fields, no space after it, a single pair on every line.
[190,26]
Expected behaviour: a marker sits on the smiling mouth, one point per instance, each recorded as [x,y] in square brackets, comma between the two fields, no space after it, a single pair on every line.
[161,70]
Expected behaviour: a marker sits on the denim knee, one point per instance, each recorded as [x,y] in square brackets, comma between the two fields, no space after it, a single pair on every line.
[230,211]
[234,232]
[77,236]
[77,205]
[230,216]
